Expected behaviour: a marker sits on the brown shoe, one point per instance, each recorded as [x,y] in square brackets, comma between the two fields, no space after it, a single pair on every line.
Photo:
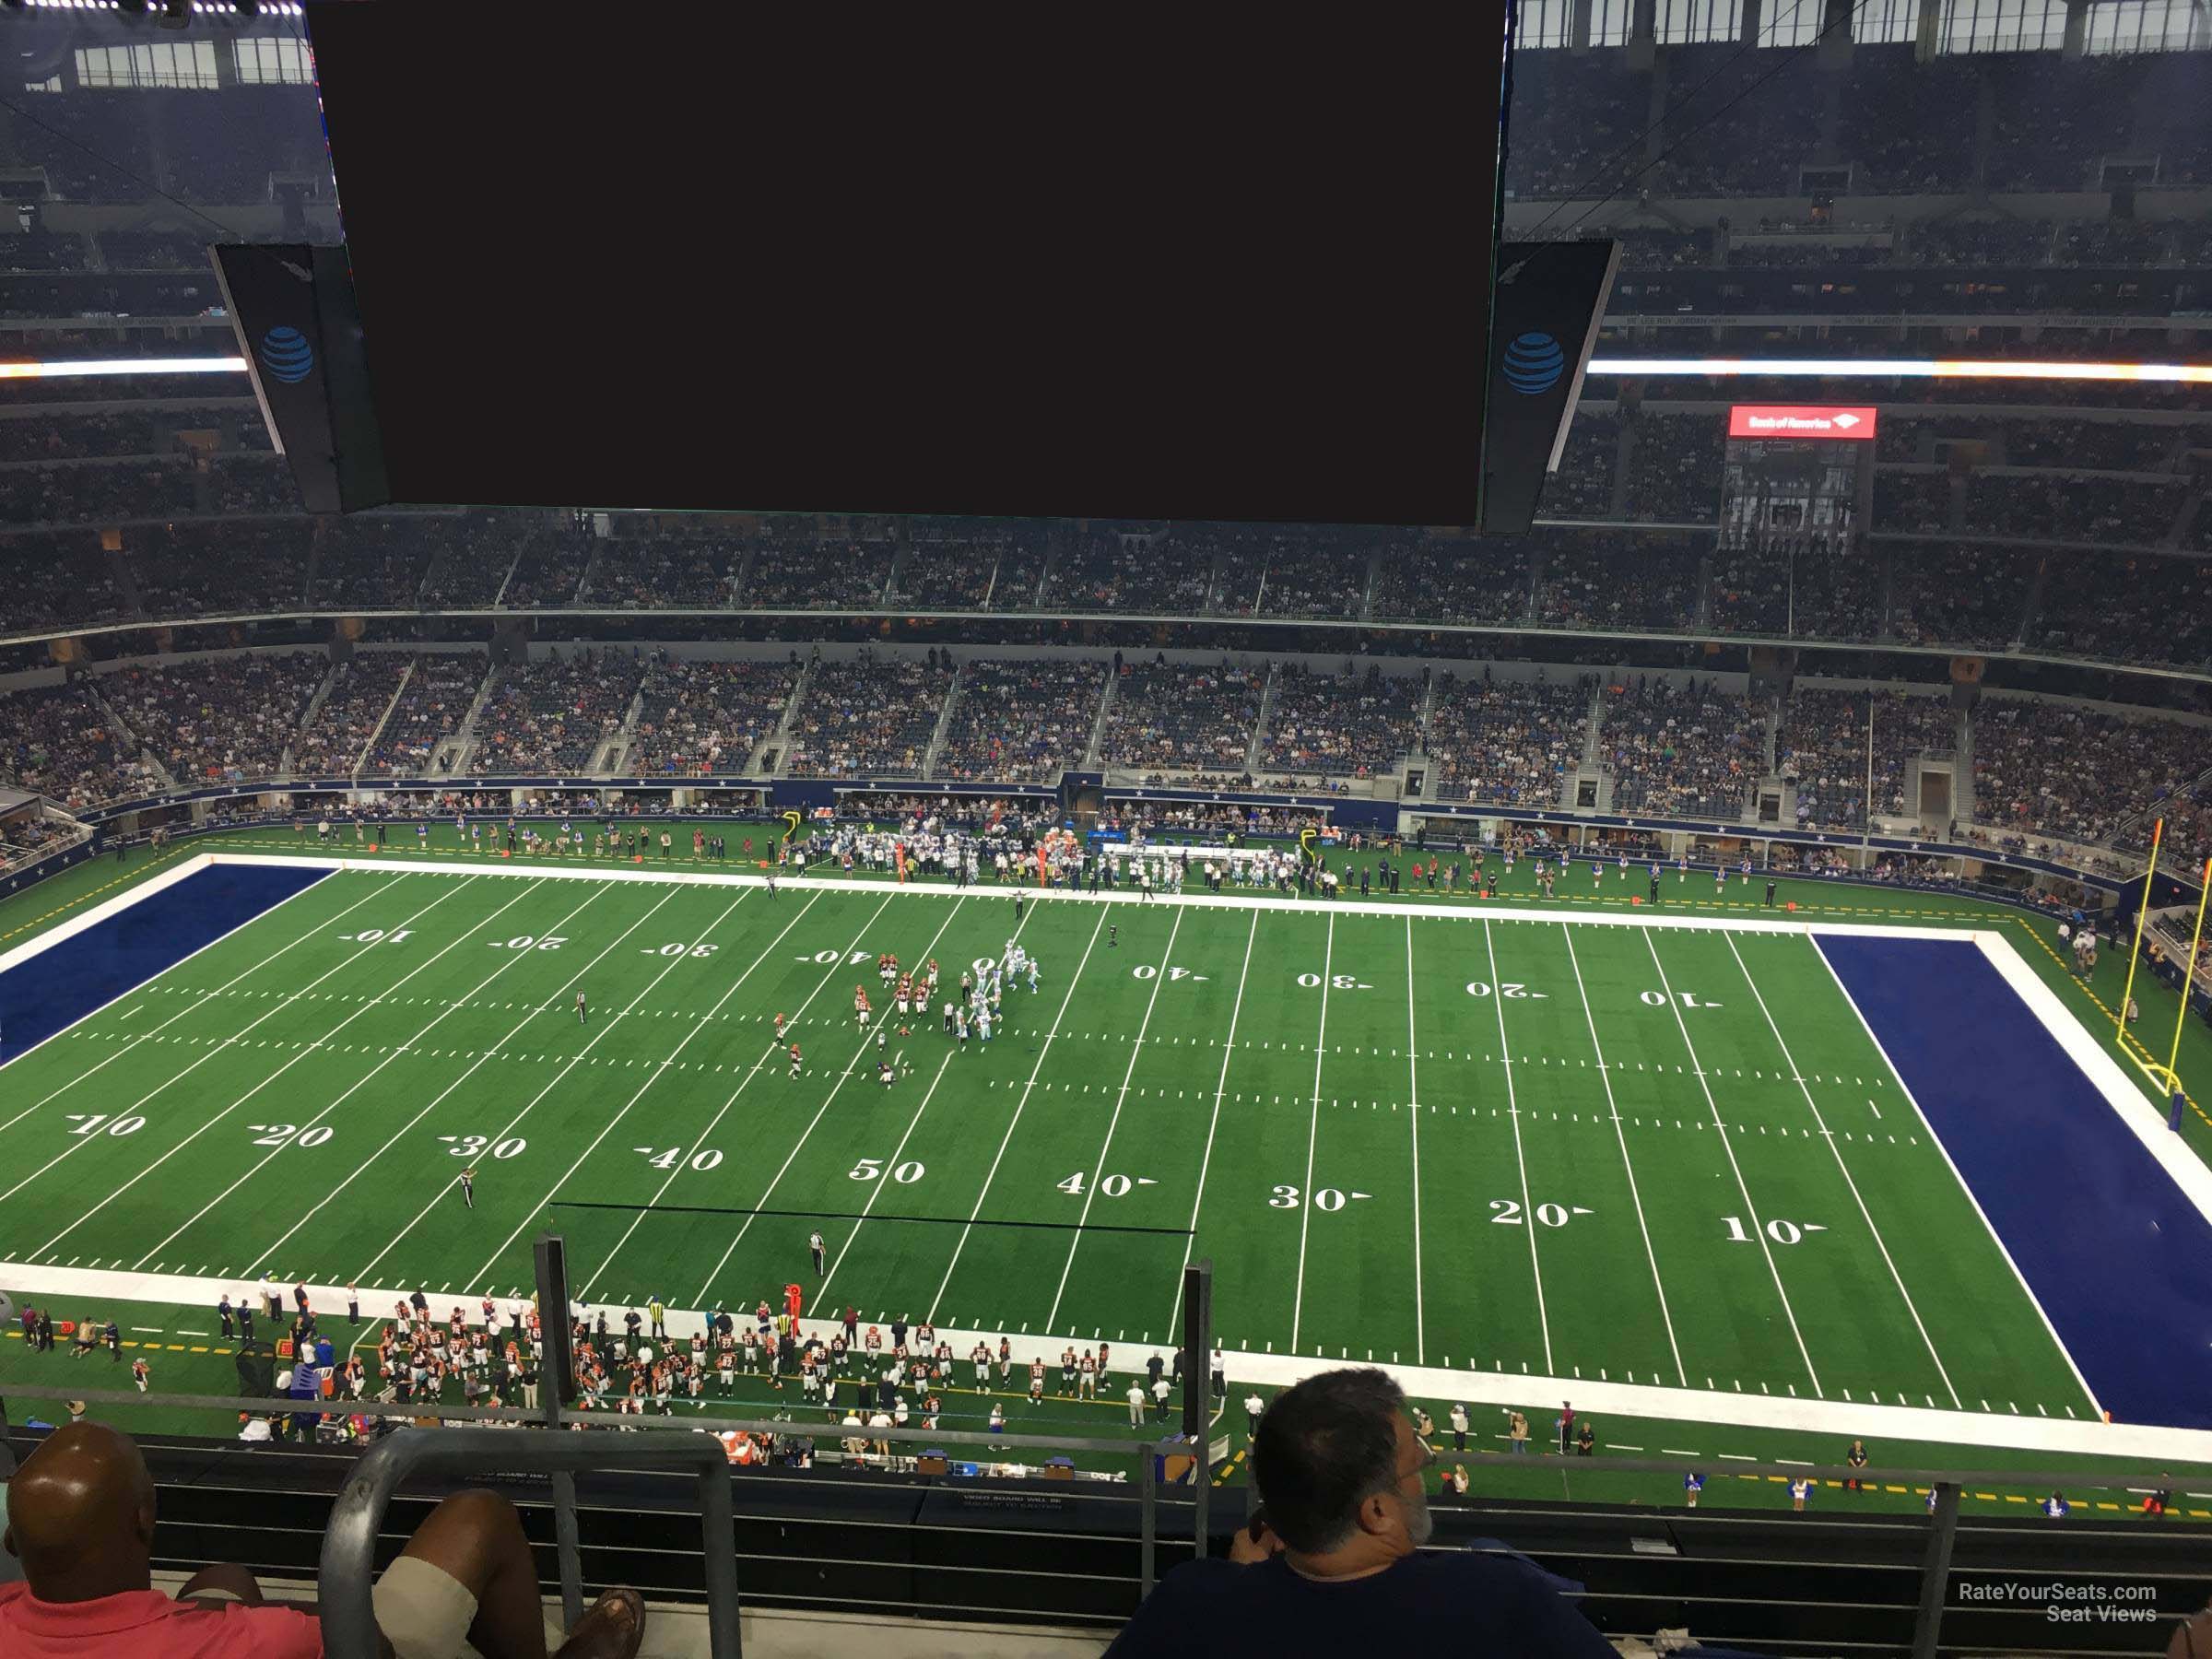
[611,1629]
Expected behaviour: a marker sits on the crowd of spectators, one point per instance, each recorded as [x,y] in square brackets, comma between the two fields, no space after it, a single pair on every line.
[2128,608]
[1481,578]
[1583,488]
[552,715]
[58,741]
[1176,716]
[1942,594]
[1510,741]
[1911,501]
[1021,721]
[1609,580]
[2063,507]
[1142,569]
[331,744]
[1345,725]
[702,718]
[2073,773]
[820,573]
[868,716]
[1821,739]
[549,568]
[1675,468]
[967,564]
[645,572]
[212,568]
[1680,751]
[1281,572]
[218,720]
[435,701]
[57,581]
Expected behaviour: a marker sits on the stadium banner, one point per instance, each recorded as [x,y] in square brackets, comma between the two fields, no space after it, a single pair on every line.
[299,329]
[1546,307]
[1801,420]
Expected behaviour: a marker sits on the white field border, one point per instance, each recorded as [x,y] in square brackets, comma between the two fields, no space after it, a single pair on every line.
[1475,1387]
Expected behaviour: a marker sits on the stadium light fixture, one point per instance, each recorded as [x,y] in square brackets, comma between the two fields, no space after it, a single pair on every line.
[1906,368]
[87,367]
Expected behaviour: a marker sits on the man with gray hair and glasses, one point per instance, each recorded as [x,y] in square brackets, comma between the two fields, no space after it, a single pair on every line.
[1333,1562]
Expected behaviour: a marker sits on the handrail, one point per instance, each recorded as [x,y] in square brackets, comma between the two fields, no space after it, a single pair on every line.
[348,1613]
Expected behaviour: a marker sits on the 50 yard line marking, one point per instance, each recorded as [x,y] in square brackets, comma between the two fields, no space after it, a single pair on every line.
[1220,1083]
[1305,1194]
[1758,1228]
[1137,1049]
[1896,1278]
[1606,1076]
[1513,1109]
[1413,1064]
[1067,998]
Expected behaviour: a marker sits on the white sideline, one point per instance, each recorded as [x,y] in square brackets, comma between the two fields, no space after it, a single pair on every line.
[70,1287]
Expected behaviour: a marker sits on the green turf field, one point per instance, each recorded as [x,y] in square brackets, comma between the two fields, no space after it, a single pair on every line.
[1559,1148]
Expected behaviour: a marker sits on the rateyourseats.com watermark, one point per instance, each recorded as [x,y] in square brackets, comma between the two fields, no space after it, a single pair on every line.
[2066,1603]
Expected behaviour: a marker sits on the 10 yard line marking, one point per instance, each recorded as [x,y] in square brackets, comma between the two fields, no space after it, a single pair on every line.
[1513,1110]
[197,1003]
[1305,1207]
[1220,1083]
[1896,1278]
[1759,1228]
[815,1122]
[1159,978]
[221,1047]
[550,1002]
[1605,1077]
[1413,1063]
[1067,998]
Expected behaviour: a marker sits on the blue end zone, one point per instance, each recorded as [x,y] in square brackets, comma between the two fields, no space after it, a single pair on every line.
[2120,1259]
[53,990]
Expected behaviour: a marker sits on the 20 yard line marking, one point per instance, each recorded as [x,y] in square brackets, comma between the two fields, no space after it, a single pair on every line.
[1305,1207]
[1758,1228]
[1213,1123]
[1605,1076]
[1159,978]
[1413,1116]
[1513,1110]
[1895,1277]
[1067,998]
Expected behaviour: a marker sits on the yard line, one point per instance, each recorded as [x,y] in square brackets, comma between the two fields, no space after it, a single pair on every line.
[1220,1085]
[767,1191]
[509,958]
[876,1188]
[571,1064]
[1159,978]
[552,1001]
[1413,1102]
[1759,1228]
[654,1072]
[216,1048]
[375,891]
[1305,1206]
[1605,1076]
[1068,996]
[1513,1109]
[699,1140]
[1896,1278]
[1936,1141]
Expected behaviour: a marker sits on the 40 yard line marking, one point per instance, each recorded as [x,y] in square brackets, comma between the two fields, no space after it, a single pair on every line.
[1159,978]
[1220,1083]
[1605,1076]
[1758,1228]
[1895,1277]
[215,1049]
[1305,1207]
[1513,1110]
[1067,998]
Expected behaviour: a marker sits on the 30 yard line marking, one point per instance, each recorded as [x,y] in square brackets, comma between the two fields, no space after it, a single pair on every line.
[1513,1110]
[1159,978]
[1895,1277]
[1605,1076]
[1067,997]
[359,1083]
[550,1003]
[1214,1122]
[1413,1116]
[655,1070]
[217,1048]
[1305,1207]
[1758,1228]
[820,1112]
[197,1003]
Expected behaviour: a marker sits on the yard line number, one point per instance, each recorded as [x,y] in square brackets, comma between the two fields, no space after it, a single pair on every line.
[280,1134]
[870,1169]
[1657,999]
[1327,1198]
[1337,982]
[1506,1212]
[679,949]
[1110,1186]
[370,935]
[87,1123]
[472,1145]
[706,1158]
[1781,1231]
[1505,988]
[529,942]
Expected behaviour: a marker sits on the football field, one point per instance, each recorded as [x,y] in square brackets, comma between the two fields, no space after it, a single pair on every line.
[1646,1148]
